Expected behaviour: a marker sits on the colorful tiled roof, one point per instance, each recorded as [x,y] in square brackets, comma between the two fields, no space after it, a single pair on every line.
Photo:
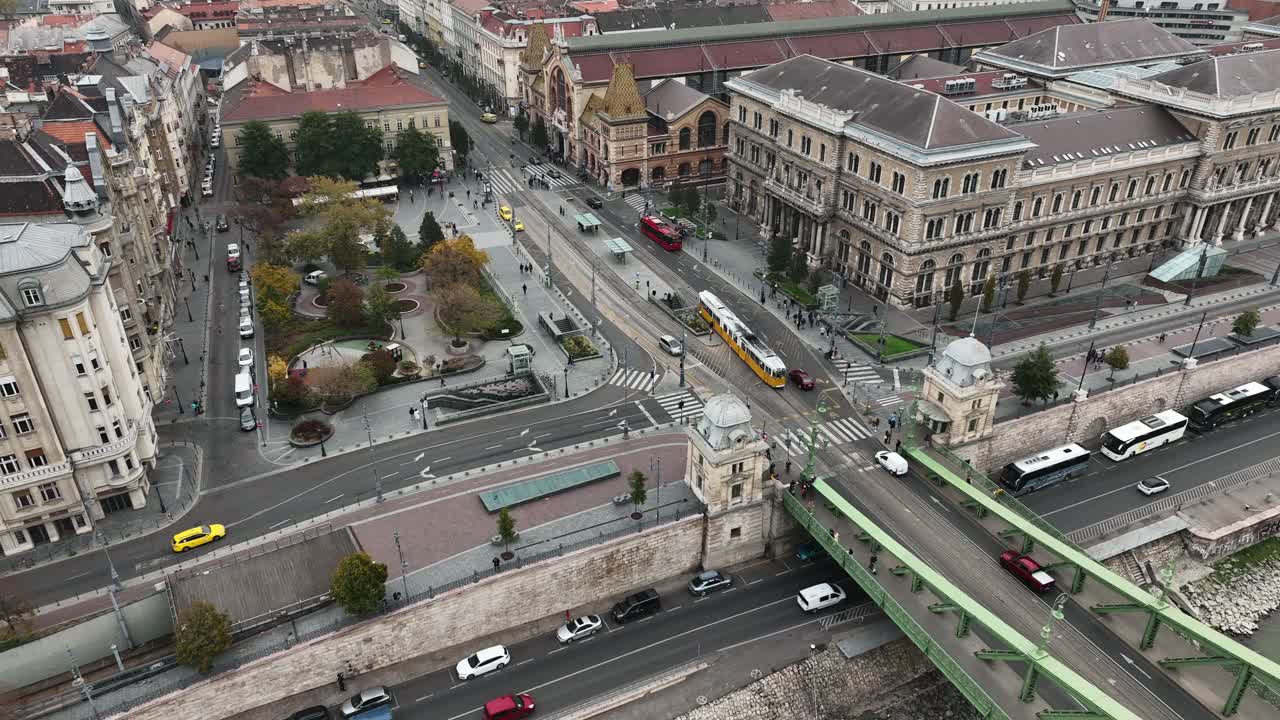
[538,43]
[622,99]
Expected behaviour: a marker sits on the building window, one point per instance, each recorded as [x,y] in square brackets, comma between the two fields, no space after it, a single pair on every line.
[103,437]
[874,170]
[22,424]
[126,314]
[118,428]
[806,145]
[106,396]
[964,223]
[1057,202]
[1017,211]
[1037,206]
[1230,140]
[22,498]
[82,323]
[970,183]
[892,222]
[998,178]
[92,401]
[8,387]
[65,324]
[940,188]
[9,465]
[899,183]
[933,229]
[1185,179]
[735,533]
[853,161]
[31,295]
[1095,196]
[735,491]
[991,218]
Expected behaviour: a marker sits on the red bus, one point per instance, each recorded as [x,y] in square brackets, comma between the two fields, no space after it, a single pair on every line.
[662,232]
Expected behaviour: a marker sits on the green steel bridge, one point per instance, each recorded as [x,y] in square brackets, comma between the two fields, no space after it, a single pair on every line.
[1108,648]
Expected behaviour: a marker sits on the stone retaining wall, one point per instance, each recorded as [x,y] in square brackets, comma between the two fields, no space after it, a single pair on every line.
[504,601]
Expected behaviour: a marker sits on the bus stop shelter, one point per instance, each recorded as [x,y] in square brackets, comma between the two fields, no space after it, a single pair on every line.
[587,222]
[619,248]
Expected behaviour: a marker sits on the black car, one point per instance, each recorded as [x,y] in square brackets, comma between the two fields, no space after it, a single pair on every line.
[553,174]
[222,224]
[248,421]
[318,712]
[595,202]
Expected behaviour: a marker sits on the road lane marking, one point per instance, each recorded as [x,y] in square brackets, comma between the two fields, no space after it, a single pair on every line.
[335,497]
[428,696]
[647,416]
[282,522]
[766,635]
[522,662]
[493,447]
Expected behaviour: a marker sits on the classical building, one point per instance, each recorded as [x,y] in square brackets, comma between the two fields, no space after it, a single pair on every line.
[1055,53]
[958,401]
[76,436]
[558,77]
[503,38]
[1196,21]
[277,80]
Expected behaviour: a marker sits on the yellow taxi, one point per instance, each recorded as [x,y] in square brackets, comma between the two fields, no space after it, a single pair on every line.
[386,21]
[504,212]
[197,536]
[489,118]
[422,63]
[519,226]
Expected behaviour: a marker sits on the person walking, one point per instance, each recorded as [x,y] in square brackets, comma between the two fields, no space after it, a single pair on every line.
[871,564]
[524,287]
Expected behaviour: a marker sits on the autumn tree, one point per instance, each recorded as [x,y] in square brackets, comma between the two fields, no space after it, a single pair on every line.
[277,370]
[358,585]
[201,635]
[454,261]
[346,303]
[345,381]
[273,282]
[463,309]
[343,219]
[16,613]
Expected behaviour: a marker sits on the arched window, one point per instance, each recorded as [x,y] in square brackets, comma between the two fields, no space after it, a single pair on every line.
[924,279]
[1017,211]
[954,266]
[1075,200]
[706,129]
[684,138]
[1094,196]
[31,292]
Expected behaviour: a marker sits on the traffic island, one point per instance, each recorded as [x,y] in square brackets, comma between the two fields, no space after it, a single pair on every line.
[892,348]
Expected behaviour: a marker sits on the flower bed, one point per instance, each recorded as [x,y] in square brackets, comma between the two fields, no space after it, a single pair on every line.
[395,287]
[310,432]
[578,347]
[406,306]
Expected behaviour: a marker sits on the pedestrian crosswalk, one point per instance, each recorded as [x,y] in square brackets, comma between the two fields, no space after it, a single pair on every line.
[680,405]
[642,380]
[637,202]
[543,171]
[889,401]
[857,372]
[838,431]
[503,182]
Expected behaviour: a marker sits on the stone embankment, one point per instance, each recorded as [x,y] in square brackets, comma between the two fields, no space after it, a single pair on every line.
[1234,598]
[893,682]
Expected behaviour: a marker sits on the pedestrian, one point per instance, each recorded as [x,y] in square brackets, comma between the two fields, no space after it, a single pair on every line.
[1055,396]
[304,365]
[871,564]
[887,433]
[897,445]
[442,381]
[968,477]
[788,467]
[496,561]
[246,246]
[791,487]
[524,288]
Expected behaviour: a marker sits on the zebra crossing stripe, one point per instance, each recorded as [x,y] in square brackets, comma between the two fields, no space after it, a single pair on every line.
[889,400]
[850,427]
[671,404]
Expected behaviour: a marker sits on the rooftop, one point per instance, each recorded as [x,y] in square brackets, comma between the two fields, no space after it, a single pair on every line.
[984,83]
[920,119]
[810,10]
[1059,51]
[1086,136]
[1228,76]
[671,17]
[922,66]
[672,99]
[387,88]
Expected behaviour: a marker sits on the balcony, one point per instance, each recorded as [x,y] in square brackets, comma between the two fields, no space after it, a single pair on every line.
[34,475]
[816,204]
[102,453]
[1218,193]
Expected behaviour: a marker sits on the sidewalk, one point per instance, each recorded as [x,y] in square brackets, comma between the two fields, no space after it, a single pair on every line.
[188,336]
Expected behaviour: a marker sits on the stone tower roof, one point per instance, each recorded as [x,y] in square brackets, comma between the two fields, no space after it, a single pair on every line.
[622,98]
[539,41]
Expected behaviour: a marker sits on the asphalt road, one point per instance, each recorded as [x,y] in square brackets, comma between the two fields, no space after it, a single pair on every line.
[1108,490]
[758,606]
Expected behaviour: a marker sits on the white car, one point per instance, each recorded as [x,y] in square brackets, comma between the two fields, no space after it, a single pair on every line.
[485,661]
[813,599]
[314,277]
[246,357]
[233,250]
[206,190]
[892,461]
[364,700]
[246,327]
[579,628]
[1153,486]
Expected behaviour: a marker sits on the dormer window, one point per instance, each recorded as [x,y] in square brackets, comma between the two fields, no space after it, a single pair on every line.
[31,295]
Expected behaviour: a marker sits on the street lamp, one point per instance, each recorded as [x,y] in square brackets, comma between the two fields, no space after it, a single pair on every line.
[183,348]
[377,480]
[684,338]
[423,402]
[404,567]
[178,399]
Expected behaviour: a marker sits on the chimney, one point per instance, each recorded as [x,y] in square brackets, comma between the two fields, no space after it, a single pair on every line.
[117,123]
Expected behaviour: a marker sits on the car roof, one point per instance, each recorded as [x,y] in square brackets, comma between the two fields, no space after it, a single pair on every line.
[813,593]
[192,532]
[491,652]
[709,574]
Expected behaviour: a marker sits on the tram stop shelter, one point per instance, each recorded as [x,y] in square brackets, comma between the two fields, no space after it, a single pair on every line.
[587,222]
[619,248]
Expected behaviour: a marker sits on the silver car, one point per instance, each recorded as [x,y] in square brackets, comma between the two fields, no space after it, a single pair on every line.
[579,628]
[364,700]
[709,581]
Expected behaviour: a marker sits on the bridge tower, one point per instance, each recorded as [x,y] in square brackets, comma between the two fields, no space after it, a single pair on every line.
[727,472]
[958,401]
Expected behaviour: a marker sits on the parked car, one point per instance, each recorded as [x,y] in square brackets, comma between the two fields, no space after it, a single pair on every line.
[485,661]
[246,357]
[801,379]
[809,551]
[316,712]
[246,327]
[509,707]
[634,607]
[709,581]
[892,461]
[314,277]
[579,628]
[197,536]
[248,420]
[206,189]
[594,202]
[819,597]
[1153,486]
[670,344]
[365,700]
[1027,570]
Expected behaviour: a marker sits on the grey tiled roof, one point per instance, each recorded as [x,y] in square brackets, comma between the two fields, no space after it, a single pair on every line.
[672,98]
[1078,47]
[1228,75]
[922,66]
[43,252]
[921,119]
[1090,135]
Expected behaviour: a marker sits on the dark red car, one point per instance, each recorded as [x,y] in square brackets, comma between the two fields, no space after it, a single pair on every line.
[509,707]
[1027,570]
[801,379]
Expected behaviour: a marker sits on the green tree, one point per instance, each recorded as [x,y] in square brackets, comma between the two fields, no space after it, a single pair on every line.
[675,196]
[381,364]
[1246,322]
[636,488]
[16,613]
[380,306]
[1035,377]
[346,303]
[506,528]
[1024,284]
[1055,280]
[346,381]
[955,298]
[539,138]
[358,585]
[709,210]
[313,145]
[201,635]
[692,201]
[522,123]
[359,147]
[429,232]
[463,309]
[799,269]
[989,293]
[459,138]
[815,280]
[263,154]
[779,252]
[399,253]
[416,153]
[1117,358]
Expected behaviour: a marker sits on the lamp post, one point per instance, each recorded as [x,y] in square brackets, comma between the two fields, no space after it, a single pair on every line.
[423,402]
[377,479]
[404,566]
[187,300]
[1097,301]
[566,382]
[113,588]
[178,400]
[684,339]
[1204,256]
[183,348]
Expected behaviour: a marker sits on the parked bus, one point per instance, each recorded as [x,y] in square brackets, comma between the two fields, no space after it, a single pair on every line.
[1226,406]
[763,361]
[1044,469]
[662,232]
[1144,434]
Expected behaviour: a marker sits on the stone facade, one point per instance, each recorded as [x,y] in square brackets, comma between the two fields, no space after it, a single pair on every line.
[1091,417]
[507,600]
[728,473]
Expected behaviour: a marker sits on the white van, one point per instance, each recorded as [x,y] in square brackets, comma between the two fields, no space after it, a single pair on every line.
[314,277]
[244,389]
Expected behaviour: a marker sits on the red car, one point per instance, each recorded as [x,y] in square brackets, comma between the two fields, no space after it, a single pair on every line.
[1027,570]
[801,378]
[509,707]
